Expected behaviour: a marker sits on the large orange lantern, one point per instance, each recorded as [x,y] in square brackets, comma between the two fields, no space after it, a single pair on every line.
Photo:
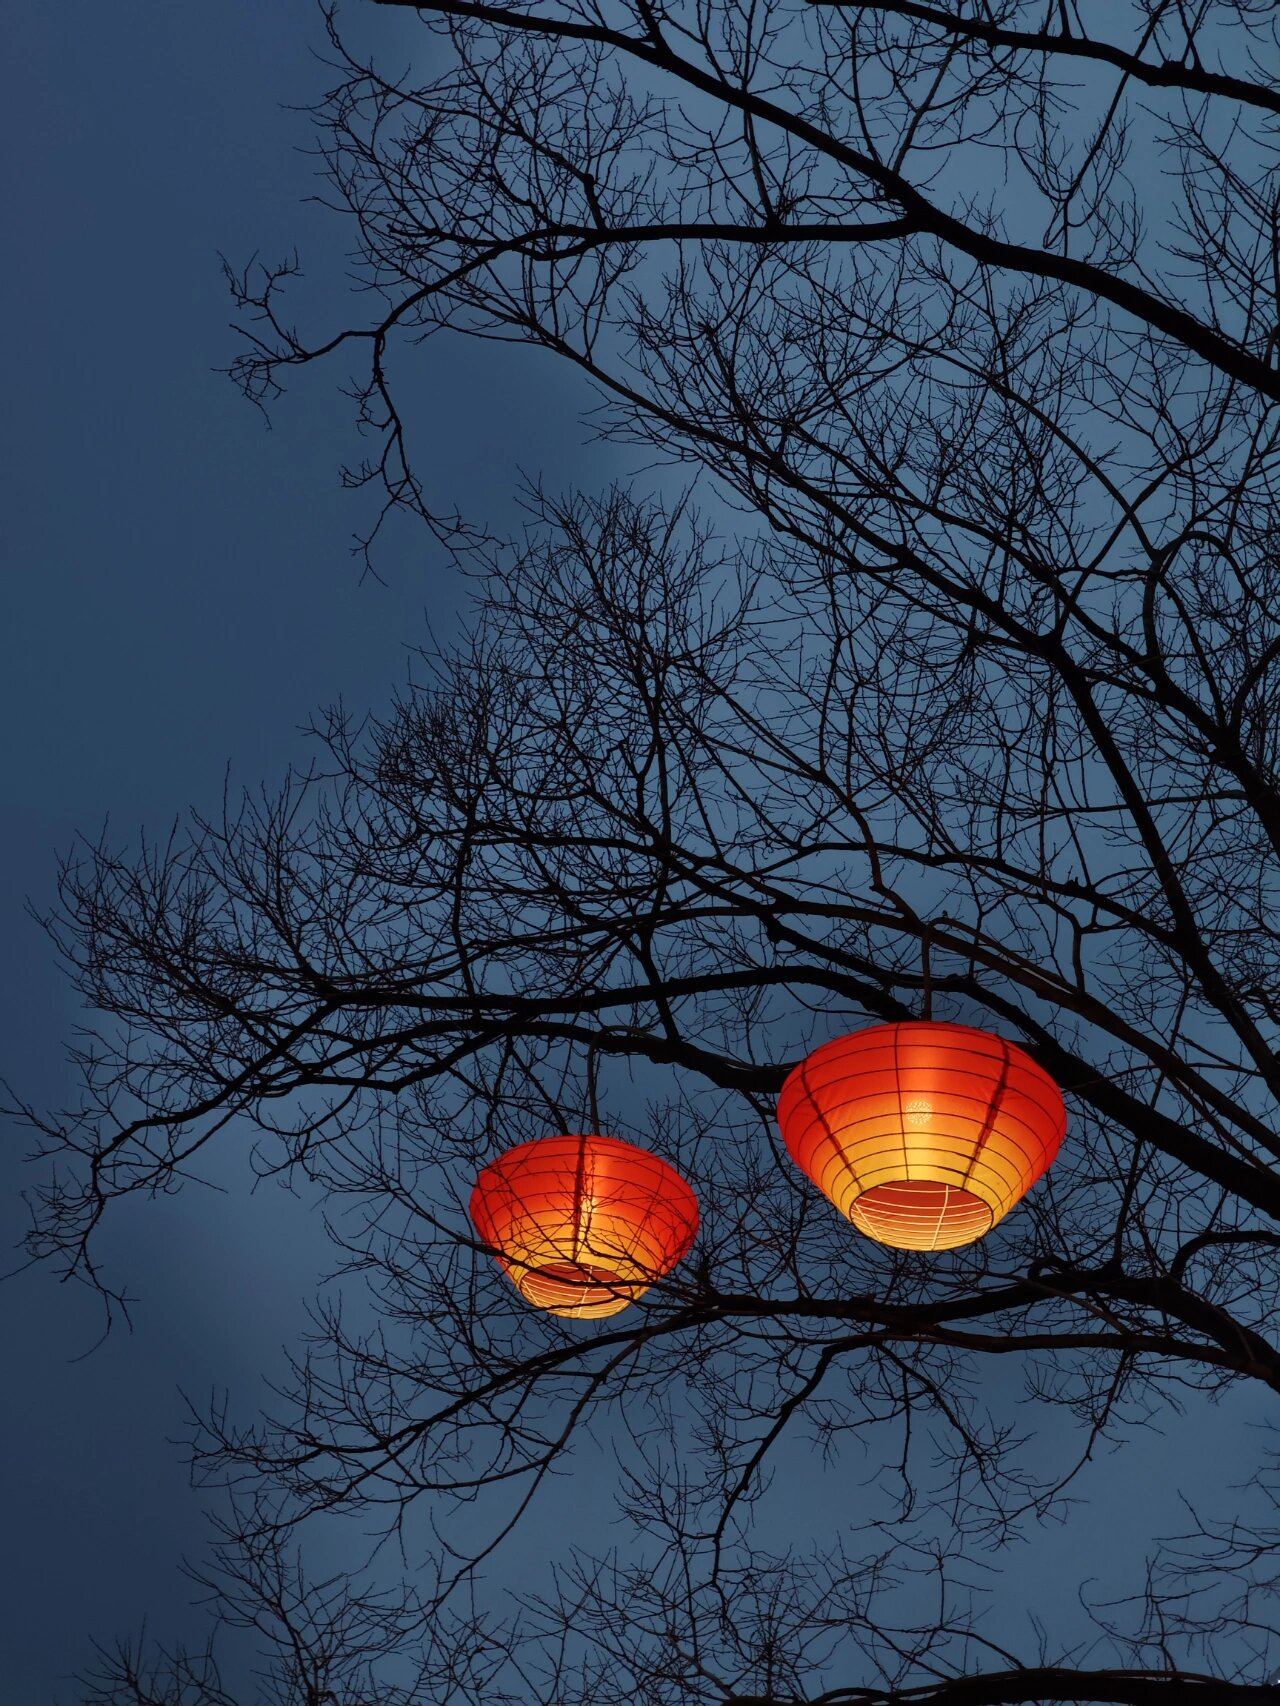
[584,1225]
[924,1134]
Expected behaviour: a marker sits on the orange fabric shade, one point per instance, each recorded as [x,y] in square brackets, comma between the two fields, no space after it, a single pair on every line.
[924,1134]
[584,1224]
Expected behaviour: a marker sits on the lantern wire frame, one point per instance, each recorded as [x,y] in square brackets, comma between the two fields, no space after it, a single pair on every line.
[924,1133]
[585,1223]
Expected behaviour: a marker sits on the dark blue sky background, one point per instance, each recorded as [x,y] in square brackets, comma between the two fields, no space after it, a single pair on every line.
[179,595]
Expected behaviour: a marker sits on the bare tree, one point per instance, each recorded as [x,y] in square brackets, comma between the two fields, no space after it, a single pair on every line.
[977,714]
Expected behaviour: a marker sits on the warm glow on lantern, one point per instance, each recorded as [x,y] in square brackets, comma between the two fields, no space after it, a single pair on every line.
[585,1225]
[924,1134]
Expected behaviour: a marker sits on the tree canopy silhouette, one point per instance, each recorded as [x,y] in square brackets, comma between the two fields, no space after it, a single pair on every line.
[950,686]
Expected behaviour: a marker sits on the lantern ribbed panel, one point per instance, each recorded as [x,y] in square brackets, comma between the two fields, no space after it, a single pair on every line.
[924,1134]
[585,1224]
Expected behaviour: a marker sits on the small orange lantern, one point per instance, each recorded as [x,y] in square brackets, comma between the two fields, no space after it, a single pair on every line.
[924,1134]
[585,1225]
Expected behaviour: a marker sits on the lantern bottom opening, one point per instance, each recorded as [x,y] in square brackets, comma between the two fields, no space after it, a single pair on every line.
[567,1288]
[921,1214]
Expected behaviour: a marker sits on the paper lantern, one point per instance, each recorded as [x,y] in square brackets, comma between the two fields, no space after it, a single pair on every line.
[924,1134]
[585,1225]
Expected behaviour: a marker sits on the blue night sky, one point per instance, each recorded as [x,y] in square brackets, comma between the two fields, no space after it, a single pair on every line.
[179,596]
